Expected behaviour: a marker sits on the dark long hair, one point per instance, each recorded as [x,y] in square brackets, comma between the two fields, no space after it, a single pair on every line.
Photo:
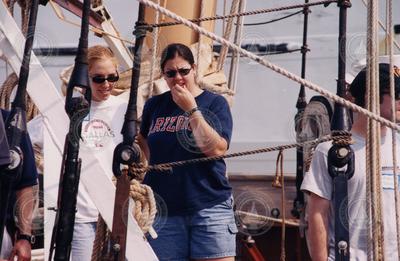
[176,49]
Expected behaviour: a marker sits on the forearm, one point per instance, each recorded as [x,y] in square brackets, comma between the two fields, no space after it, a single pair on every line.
[206,138]
[317,233]
[142,142]
[317,237]
[25,205]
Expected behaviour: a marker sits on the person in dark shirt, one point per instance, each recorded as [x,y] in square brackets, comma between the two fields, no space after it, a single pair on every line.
[17,237]
[187,123]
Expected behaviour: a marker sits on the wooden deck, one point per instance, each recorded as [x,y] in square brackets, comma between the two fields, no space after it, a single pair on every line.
[255,194]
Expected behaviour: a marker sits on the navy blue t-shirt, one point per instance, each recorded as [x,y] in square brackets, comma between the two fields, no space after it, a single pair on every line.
[4,149]
[169,137]
[29,174]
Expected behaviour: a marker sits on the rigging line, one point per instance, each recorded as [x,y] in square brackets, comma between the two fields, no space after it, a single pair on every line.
[389,45]
[234,66]
[373,141]
[275,68]
[342,137]
[397,44]
[91,28]
[227,35]
[274,20]
[153,63]
[199,42]
[266,218]
[254,12]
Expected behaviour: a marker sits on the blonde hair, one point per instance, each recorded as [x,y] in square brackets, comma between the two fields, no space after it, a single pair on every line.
[99,52]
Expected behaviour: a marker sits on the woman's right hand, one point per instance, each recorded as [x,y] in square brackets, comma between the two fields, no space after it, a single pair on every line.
[183,98]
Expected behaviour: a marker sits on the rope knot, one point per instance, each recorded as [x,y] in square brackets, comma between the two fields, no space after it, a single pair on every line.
[138,171]
[342,138]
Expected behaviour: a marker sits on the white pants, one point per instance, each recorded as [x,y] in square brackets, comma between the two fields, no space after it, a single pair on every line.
[82,242]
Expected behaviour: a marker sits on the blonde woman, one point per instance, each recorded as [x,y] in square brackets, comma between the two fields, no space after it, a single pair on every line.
[100,133]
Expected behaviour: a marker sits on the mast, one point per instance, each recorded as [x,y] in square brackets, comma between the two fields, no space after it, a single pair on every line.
[77,107]
[340,155]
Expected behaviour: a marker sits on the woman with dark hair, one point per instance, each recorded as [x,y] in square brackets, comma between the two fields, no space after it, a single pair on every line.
[196,219]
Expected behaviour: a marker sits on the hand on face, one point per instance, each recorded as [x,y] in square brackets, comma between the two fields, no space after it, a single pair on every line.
[182,97]
[181,83]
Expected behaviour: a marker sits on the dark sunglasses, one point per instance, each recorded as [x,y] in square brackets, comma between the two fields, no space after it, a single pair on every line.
[109,78]
[182,72]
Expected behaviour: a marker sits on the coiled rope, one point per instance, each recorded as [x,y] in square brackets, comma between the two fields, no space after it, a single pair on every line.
[145,210]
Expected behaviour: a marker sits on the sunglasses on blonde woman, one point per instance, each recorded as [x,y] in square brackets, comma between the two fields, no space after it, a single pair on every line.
[181,71]
[109,78]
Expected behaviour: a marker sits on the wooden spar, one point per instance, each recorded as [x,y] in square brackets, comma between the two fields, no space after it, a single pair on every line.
[51,107]
[181,33]
[102,20]
[75,7]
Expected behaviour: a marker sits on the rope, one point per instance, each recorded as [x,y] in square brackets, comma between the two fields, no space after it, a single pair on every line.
[283,206]
[5,96]
[397,44]
[10,5]
[101,240]
[39,159]
[265,218]
[6,90]
[255,12]
[233,72]
[215,88]
[145,205]
[227,35]
[223,20]
[274,20]
[144,213]
[338,135]
[199,42]
[373,133]
[276,68]
[389,6]
[153,63]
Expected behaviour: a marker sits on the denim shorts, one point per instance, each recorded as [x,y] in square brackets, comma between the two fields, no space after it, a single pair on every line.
[208,233]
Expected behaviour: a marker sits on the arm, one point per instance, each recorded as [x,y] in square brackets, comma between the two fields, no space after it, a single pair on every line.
[207,139]
[25,205]
[317,232]
[143,145]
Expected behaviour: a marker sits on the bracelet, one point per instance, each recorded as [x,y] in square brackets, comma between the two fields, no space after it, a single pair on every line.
[189,113]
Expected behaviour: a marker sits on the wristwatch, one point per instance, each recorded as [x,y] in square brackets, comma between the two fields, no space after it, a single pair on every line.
[189,113]
[29,238]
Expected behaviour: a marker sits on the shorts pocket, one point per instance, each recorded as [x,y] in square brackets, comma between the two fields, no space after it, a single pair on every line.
[232,228]
[228,203]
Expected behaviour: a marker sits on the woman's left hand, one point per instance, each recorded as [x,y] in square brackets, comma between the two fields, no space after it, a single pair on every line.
[183,98]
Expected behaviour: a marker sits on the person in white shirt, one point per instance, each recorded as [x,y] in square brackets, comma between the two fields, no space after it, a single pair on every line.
[100,133]
[318,184]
